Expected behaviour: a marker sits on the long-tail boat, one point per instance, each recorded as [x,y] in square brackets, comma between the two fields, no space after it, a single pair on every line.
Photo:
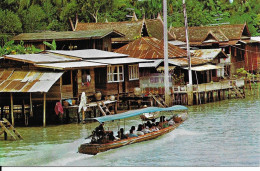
[94,148]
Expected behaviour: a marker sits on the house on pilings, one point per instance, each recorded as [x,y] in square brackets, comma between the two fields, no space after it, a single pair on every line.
[151,74]
[34,83]
[234,40]
[71,40]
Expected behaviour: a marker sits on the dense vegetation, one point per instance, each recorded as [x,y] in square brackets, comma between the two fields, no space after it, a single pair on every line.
[18,16]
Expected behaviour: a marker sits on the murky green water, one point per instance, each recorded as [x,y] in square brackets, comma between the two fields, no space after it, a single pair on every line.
[225,133]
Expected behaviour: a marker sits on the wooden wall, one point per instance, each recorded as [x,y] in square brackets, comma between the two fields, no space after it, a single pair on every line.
[89,89]
[116,87]
[252,57]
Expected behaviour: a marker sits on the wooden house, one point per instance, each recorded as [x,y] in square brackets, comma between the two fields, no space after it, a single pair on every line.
[233,39]
[54,76]
[71,40]
[131,29]
[151,74]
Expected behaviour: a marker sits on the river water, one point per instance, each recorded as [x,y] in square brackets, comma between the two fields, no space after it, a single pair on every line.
[224,133]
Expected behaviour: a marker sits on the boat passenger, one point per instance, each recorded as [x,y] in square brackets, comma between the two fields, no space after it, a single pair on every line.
[149,124]
[121,134]
[133,128]
[111,136]
[171,122]
[139,130]
[146,130]
[154,128]
[132,134]
[100,131]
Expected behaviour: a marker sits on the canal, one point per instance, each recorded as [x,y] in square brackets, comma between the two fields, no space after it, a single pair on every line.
[224,133]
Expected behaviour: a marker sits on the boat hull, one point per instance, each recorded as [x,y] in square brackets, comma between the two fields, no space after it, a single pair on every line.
[97,148]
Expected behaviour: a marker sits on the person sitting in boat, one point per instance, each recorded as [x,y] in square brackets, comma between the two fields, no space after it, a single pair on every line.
[154,128]
[111,136]
[121,134]
[163,122]
[131,134]
[100,129]
[146,130]
[133,128]
[139,130]
[171,122]
[149,124]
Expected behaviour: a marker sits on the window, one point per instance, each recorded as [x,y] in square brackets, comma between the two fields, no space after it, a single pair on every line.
[115,73]
[86,78]
[66,78]
[133,72]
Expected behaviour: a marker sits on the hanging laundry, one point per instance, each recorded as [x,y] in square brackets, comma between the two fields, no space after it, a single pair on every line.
[83,102]
[58,108]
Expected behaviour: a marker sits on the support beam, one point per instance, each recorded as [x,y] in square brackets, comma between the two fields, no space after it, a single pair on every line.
[12,108]
[44,109]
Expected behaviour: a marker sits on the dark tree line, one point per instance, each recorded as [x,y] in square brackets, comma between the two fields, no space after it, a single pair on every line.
[17,16]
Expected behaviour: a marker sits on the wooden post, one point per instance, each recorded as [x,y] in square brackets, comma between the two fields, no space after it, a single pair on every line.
[12,108]
[197,98]
[83,115]
[205,97]
[31,106]
[5,135]
[44,109]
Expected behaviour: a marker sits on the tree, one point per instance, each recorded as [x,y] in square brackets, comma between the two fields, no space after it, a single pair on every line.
[34,19]
[9,22]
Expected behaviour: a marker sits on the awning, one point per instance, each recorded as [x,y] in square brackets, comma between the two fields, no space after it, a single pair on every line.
[27,81]
[161,68]
[70,65]
[117,61]
[132,113]
[152,64]
[204,67]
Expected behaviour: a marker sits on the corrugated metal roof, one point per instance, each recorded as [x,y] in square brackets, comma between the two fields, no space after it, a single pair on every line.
[40,58]
[154,64]
[204,67]
[70,65]
[184,61]
[68,35]
[116,61]
[209,54]
[89,53]
[150,48]
[27,81]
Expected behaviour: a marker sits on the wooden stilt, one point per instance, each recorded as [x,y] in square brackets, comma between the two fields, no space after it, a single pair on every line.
[12,108]
[31,106]
[197,98]
[44,109]
[205,97]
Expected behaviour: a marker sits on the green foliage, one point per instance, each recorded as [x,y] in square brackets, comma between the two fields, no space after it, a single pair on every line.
[11,48]
[52,45]
[242,73]
[18,16]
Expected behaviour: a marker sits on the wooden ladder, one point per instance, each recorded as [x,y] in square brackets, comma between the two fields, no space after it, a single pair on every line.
[159,100]
[103,108]
[236,90]
[9,129]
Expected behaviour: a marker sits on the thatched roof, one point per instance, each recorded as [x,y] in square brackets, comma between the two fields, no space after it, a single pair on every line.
[208,34]
[131,29]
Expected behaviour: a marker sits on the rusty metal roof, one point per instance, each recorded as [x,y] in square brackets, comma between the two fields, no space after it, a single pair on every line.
[131,29]
[184,61]
[209,54]
[27,81]
[41,58]
[68,35]
[150,48]
[222,33]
